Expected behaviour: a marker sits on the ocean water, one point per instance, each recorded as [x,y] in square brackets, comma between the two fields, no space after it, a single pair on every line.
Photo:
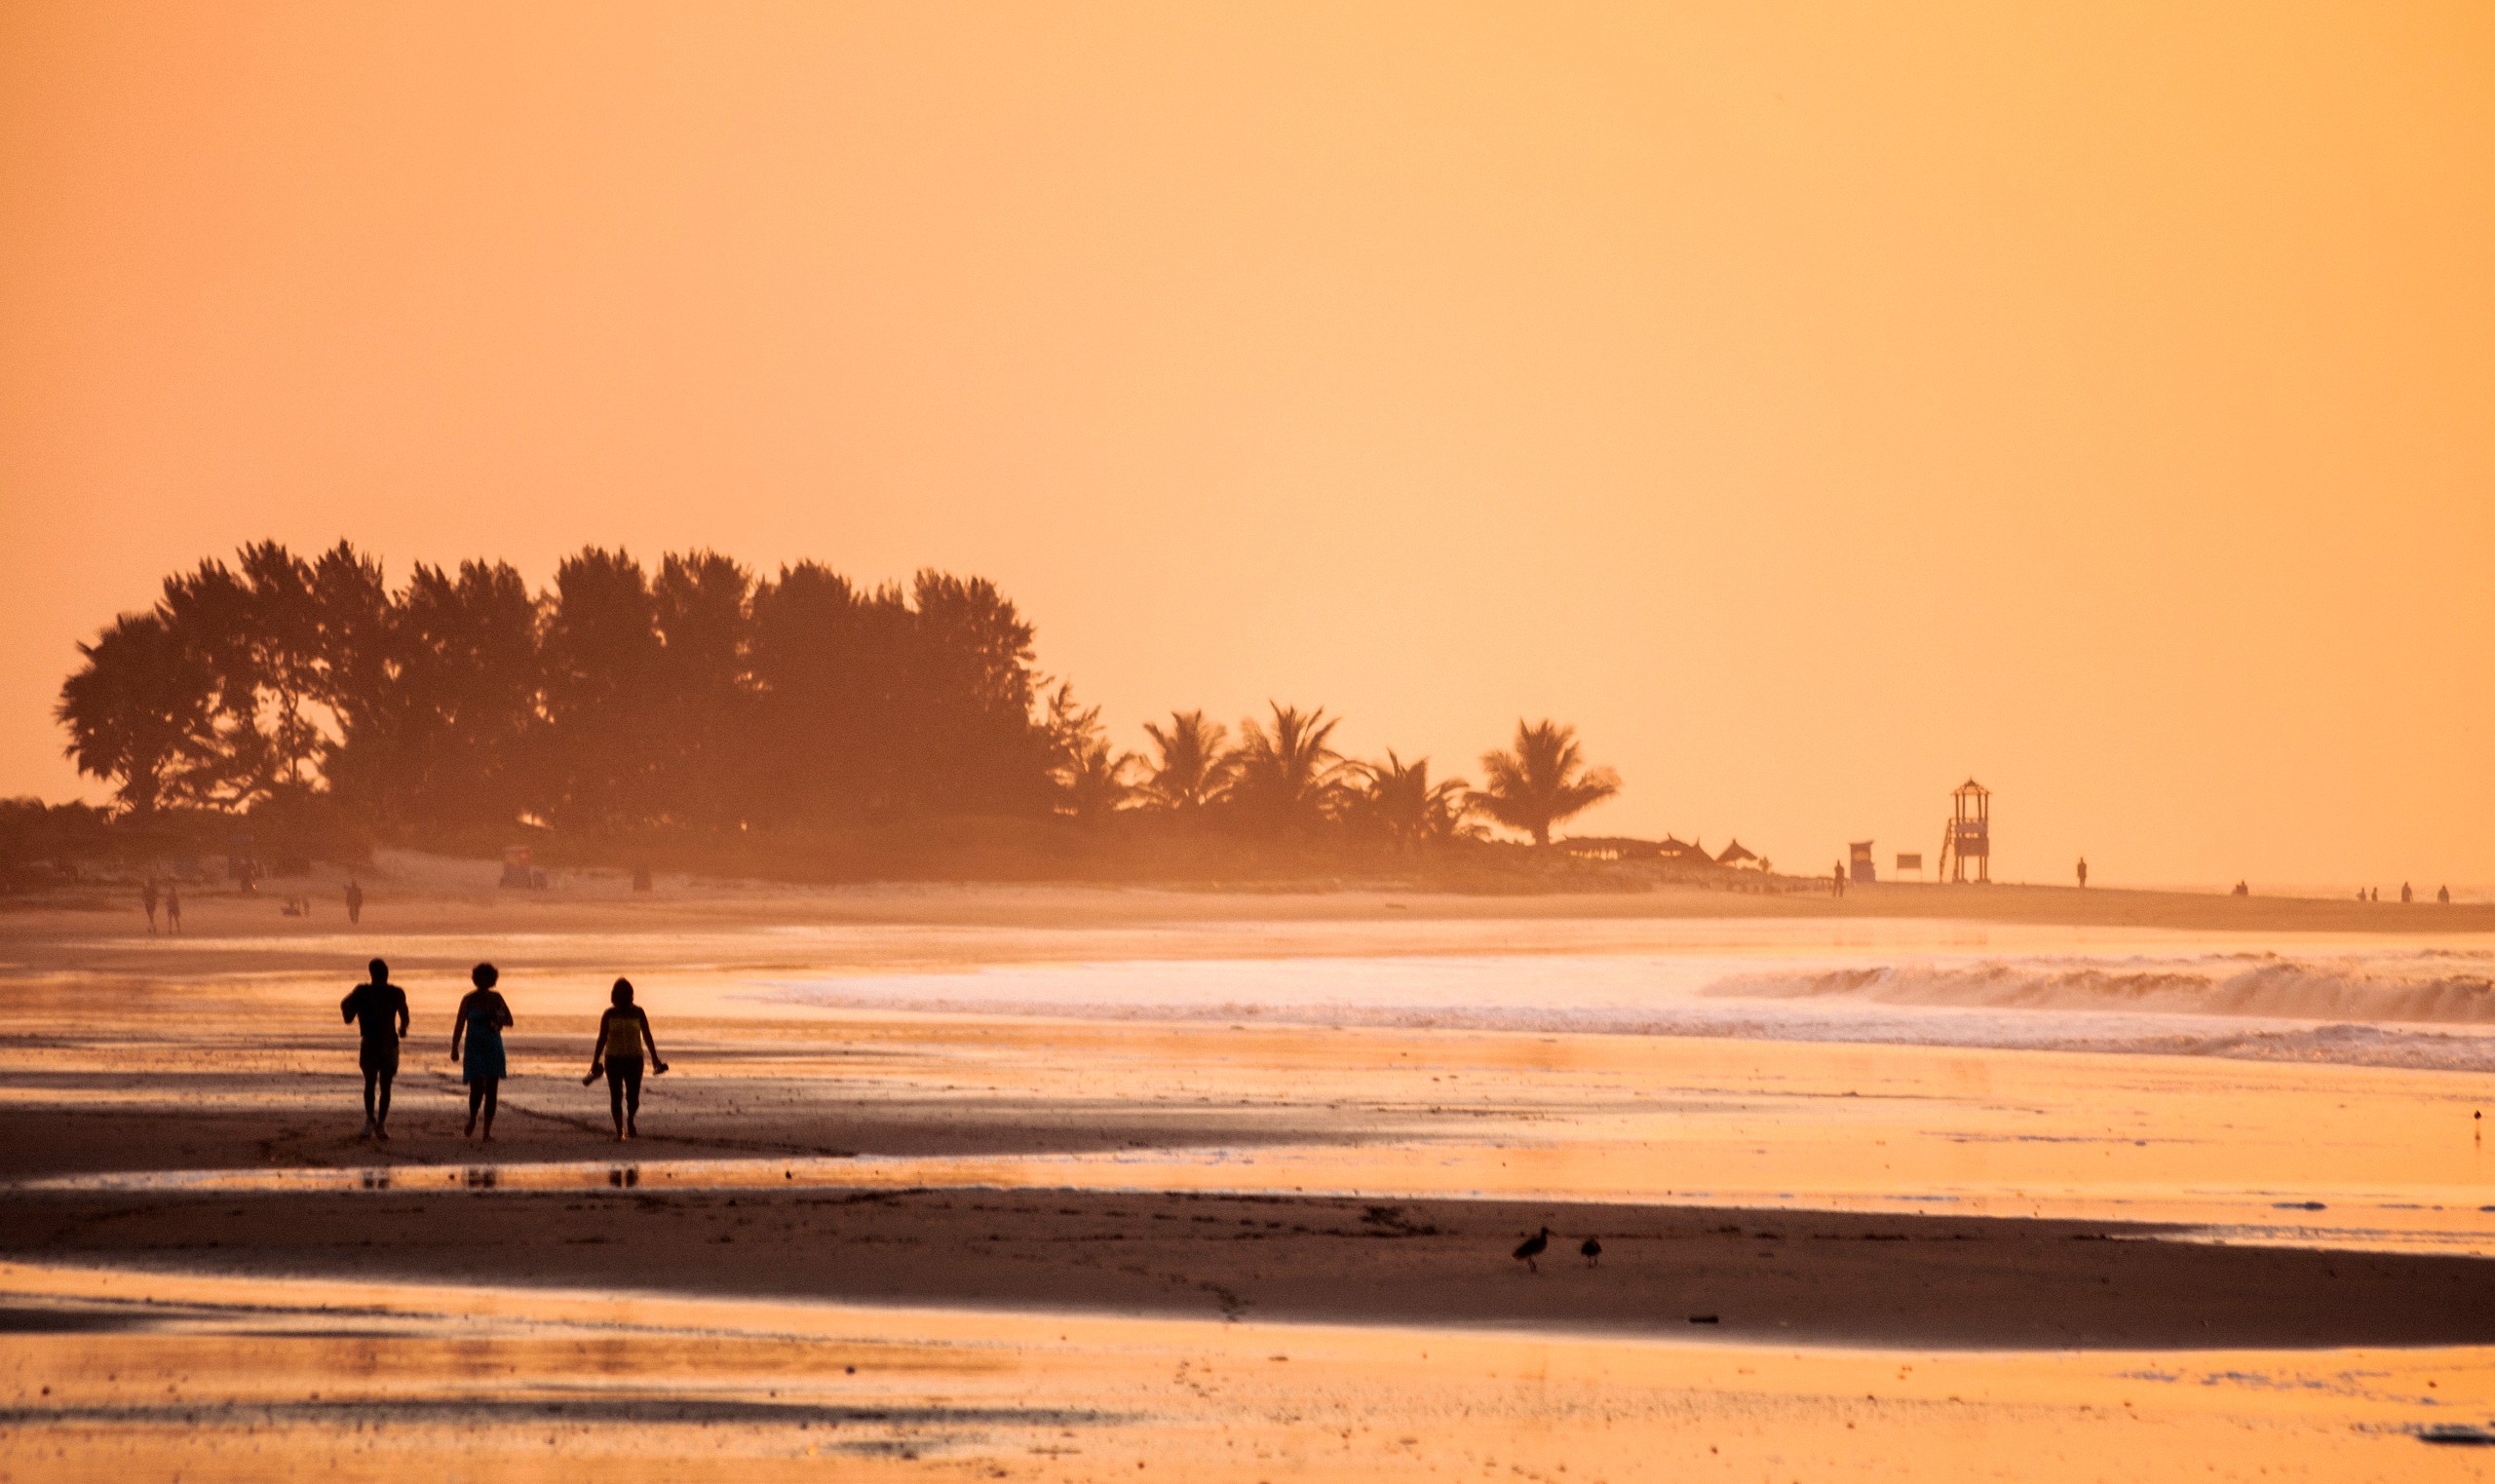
[2408,1006]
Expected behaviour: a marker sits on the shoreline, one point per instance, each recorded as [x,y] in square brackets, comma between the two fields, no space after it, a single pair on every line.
[434,906]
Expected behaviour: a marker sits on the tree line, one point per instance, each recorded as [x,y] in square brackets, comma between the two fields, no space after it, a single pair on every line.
[699,696]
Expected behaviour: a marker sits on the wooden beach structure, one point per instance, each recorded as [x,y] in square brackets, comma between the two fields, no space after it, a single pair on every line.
[1966,841]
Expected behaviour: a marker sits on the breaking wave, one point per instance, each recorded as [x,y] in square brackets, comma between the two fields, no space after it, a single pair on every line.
[2431,987]
[2420,1008]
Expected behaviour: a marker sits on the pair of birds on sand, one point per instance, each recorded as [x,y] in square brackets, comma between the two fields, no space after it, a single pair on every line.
[1529,1251]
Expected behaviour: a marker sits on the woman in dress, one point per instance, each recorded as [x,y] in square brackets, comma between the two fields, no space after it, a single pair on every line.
[622,1032]
[483,1014]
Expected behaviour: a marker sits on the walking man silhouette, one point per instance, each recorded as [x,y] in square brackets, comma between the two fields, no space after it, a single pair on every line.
[172,909]
[2082,873]
[379,1011]
[355,902]
[147,899]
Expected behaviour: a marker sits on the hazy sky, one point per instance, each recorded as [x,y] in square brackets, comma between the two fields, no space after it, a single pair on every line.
[1815,404]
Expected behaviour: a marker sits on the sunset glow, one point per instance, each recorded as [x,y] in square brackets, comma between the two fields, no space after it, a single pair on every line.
[1337,742]
[1814,406]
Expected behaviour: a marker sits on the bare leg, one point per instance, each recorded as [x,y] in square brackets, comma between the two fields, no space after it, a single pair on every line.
[633,1105]
[493,1095]
[370,1080]
[476,1095]
[381,1119]
[615,1101]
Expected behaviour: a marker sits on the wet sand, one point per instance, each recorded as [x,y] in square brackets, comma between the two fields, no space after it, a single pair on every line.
[107,1374]
[1076,1243]
[1764,1277]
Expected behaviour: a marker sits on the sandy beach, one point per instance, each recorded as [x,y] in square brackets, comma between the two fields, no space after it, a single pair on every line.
[1069,1222]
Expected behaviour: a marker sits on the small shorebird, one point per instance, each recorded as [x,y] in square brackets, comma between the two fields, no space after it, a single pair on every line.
[1591,1247]
[1532,1247]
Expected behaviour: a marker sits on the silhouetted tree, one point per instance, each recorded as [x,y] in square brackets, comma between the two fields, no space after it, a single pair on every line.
[354,665]
[966,740]
[1398,799]
[258,628]
[1092,777]
[872,705]
[451,731]
[817,690]
[139,710]
[1190,770]
[704,624]
[1542,782]
[621,702]
[604,698]
[356,671]
[1288,777]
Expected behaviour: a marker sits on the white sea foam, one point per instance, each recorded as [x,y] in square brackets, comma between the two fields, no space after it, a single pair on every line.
[2425,985]
[2368,1008]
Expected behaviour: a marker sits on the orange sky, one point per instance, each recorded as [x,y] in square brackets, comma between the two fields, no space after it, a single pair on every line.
[1816,405]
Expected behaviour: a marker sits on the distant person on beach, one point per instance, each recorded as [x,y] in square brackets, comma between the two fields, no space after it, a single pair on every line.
[2243,888]
[483,1014]
[1836,879]
[2444,895]
[354,903]
[147,899]
[172,907]
[622,1034]
[2082,873]
[2405,893]
[379,1010]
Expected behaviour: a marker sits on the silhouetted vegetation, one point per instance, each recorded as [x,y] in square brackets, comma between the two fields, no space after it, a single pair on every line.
[1397,800]
[40,843]
[710,711]
[1191,767]
[1542,782]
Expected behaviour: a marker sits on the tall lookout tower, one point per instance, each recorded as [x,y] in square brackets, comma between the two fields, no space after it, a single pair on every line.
[1966,842]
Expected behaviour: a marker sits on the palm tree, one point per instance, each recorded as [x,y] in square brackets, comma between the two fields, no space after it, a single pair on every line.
[1289,777]
[1091,776]
[1092,780]
[1399,798]
[1192,770]
[1543,781]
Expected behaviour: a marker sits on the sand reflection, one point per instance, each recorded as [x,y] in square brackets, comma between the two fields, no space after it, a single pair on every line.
[230,1379]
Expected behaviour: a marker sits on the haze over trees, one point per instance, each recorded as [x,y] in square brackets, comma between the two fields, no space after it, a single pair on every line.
[623,703]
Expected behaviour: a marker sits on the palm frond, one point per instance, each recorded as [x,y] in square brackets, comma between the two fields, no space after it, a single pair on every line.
[1541,781]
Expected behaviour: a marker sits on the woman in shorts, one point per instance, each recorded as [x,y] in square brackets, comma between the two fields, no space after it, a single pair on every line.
[623,1032]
